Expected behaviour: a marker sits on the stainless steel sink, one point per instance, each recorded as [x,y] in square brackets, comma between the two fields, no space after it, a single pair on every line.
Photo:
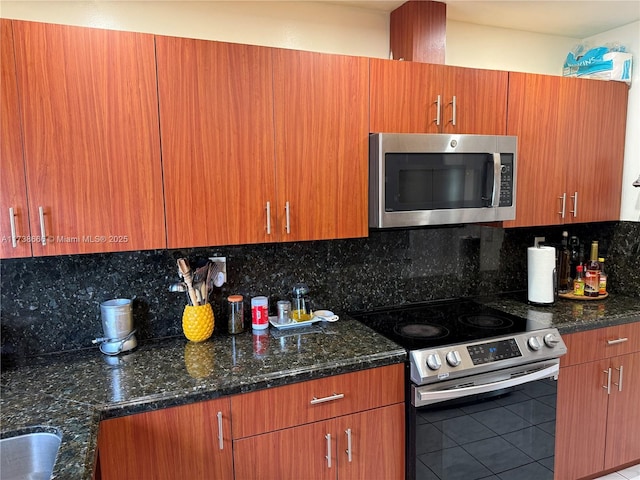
[29,456]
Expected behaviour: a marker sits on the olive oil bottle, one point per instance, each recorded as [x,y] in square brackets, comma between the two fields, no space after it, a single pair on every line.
[592,273]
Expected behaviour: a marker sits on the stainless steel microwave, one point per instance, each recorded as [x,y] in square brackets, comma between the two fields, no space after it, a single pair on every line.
[437,179]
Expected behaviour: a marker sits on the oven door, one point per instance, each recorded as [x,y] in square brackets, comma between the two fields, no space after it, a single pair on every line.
[496,425]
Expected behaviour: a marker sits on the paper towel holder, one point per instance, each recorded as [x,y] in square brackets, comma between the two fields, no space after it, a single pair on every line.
[537,241]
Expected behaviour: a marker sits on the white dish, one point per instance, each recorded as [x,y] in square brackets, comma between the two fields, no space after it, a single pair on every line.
[291,324]
[325,315]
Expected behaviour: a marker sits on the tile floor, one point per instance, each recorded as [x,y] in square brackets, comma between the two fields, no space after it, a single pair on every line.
[631,473]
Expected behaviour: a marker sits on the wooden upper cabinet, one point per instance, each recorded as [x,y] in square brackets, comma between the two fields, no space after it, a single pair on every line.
[571,135]
[91,144]
[413,97]
[216,117]
[404,97]
[591,138]
[322,145]
[480,101]
[15,241]
[533,118]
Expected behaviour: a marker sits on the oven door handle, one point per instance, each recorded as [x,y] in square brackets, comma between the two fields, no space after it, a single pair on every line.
[425,396]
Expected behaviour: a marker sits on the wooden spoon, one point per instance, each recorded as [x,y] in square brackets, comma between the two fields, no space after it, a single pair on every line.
[187,275]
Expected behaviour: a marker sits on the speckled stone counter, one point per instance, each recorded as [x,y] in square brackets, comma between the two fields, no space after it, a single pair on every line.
[570,316]
[73,392]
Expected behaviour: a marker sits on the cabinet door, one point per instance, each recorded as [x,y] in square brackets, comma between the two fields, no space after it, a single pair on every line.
[581,420]
[322,145]
[371,444]
[404,97]
[172,443]
[216,117]
[91,144]
[533,118]
[623,423]
[290,454]
[591,143]
[16,241]
[480,101]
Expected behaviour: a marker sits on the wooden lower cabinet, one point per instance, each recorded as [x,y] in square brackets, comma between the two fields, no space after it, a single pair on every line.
[598,414]
[173,443]
[367,444]
[348,426]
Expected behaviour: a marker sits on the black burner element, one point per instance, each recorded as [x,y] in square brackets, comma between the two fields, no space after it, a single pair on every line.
[421,330]
[486,321]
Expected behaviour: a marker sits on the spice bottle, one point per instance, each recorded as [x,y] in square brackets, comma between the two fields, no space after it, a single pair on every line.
[236,314]
[603,278]
[578,283]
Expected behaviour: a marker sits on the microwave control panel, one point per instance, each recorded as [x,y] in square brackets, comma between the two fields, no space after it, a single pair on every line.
[506,185]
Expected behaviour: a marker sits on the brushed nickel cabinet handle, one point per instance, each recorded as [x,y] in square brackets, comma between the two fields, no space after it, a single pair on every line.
[437,102]
[12,222]
[330,398]
[43,232]
[268,218]
[564,204]
[288,224]
[607,387]
[453,105]
[617,340]
[328,457]
[348,451]
[619,384]
[575,204]
[220,432]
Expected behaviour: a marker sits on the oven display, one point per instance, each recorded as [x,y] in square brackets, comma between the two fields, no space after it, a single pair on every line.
[491,352]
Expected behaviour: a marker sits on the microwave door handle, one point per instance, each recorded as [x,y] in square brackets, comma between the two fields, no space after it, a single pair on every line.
[497,168]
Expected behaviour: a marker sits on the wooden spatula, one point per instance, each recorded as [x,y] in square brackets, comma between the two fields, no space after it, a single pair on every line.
[187,276]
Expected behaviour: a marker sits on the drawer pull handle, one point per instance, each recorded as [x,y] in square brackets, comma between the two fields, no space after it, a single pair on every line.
[618,340]
[607,387]
[328,457]
[330,398]
[220,434]
[348,452]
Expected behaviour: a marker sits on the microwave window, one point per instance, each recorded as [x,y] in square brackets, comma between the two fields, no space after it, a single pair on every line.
[430,181]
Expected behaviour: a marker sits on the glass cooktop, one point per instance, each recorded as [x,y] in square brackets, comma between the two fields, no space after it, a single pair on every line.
[433,324]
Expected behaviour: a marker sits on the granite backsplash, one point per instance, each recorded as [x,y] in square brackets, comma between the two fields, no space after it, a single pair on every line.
[51,304]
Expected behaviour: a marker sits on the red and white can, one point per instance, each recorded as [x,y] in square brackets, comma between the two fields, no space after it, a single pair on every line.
[259,313]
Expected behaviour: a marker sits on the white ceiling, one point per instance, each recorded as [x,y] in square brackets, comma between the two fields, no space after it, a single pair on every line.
[577,19]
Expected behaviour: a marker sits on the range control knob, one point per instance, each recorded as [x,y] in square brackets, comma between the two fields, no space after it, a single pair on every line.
[453,358]
[551,340]
[534,343]
[433,361]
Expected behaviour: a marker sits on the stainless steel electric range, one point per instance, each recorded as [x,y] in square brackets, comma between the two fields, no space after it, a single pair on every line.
[480,390]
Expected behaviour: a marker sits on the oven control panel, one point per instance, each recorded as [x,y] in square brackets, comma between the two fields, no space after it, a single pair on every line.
[450,361]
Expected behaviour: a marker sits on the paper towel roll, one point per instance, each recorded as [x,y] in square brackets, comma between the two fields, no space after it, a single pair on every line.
[541,266]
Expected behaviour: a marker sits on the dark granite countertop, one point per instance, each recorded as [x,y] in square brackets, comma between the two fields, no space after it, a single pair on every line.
[73,392]
[570,316]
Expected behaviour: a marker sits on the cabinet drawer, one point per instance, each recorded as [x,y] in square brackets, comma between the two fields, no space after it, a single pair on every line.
[314,400]
[601,343]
